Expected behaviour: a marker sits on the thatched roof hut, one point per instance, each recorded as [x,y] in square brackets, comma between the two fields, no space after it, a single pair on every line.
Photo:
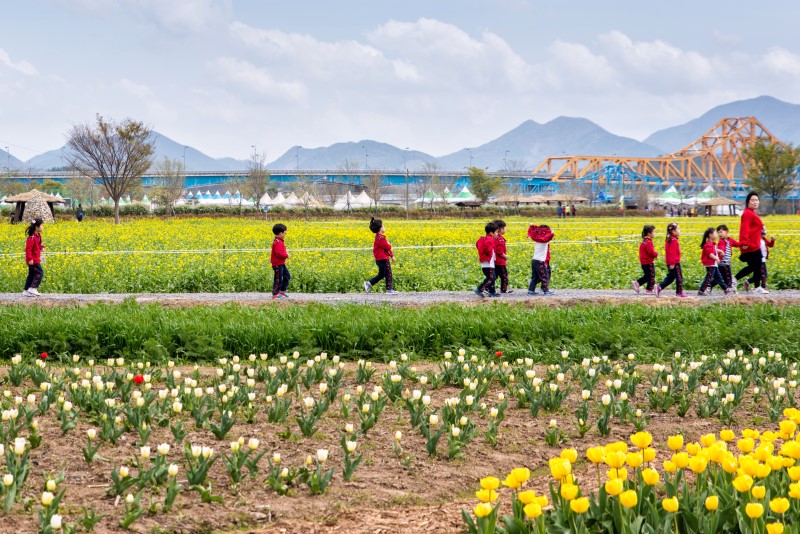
[33,205]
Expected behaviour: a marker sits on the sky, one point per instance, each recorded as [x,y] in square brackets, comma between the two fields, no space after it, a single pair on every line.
[224,76]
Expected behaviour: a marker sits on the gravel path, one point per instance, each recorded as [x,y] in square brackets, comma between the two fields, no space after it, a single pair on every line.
[561,297]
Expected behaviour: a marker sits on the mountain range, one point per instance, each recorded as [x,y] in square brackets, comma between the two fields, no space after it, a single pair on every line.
[522,148]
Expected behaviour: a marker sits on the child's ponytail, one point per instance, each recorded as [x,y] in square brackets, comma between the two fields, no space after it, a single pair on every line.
[671,227]
[32,228]
[707,236]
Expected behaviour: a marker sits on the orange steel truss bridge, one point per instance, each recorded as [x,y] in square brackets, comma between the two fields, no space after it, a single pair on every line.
[715,158]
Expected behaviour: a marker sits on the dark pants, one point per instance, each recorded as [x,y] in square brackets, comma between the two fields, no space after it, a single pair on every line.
[725,271]
[761,279]
[35,275]
[649,277]
[488,280]
[674,275]
[540,274]
[753,260]
[713,278]
[280,282]
[384,271]
[501,272]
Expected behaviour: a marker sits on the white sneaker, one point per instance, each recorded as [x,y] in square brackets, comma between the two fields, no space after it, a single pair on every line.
[27,293]
[34,291]
[760,291]
[367,286]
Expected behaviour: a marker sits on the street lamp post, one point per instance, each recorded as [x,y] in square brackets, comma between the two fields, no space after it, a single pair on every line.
[184,158]
[366,158]
[297,158]
[505,160]
[8,161]
[405,165]
[470,156]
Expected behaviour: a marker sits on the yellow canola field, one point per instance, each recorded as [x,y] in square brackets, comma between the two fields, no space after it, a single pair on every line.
[156,255]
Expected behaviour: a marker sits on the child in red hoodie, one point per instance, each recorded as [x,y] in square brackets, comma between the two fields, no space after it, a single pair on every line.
[672,256]
[501,257]
[278,257]
[540,265]
[647,257]
[710,258]
[382,251]
[487,255]
[33,257]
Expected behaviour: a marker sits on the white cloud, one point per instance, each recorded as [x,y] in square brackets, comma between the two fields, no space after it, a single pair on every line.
[181,15]
[783,62]
[137,90]
[573,66]
[251,78]
[20,66]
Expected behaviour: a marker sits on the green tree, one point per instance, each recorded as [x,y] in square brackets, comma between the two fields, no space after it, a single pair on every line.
[772,169]
[482,185]
[117,154]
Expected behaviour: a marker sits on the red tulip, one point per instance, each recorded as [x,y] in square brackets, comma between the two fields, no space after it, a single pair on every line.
[498,354]
[43,355]
[138,379]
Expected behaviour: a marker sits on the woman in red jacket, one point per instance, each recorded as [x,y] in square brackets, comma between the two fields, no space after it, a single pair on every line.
[750,239]
[33,257]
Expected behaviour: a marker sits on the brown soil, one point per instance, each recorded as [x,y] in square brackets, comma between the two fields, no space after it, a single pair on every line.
[383,497]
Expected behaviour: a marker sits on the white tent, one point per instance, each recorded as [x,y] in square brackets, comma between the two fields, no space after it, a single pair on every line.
[465,195]
[291,200]
[277,201]
[265,200]
[670,196]
[706,194]
[348,201]
[363,200]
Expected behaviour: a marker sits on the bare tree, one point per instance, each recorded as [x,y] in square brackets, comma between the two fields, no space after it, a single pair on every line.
[516,165]
[349,167]
[117,154]
[374,186]
[256,183]
[169,184]
[305,189]
[84,189]
[431,171]
[330,191]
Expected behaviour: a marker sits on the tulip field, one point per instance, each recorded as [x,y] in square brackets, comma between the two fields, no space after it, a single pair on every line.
[232,255]
[464,442]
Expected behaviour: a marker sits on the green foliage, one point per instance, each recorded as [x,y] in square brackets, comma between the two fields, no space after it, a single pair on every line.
[483,186]
[204,332]
[772,170]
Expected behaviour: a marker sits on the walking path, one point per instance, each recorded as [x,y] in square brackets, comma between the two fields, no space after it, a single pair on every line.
[560,298]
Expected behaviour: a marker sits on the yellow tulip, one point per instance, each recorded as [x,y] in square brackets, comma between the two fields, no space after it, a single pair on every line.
[621,474]
[486,495]
[758,492]
[670,467]
[650,476]
[754,510]
[615,459]
[649,454]
[743,483]
[614,486]
[727,435]
[693,449]
[569,491]
[670,504]
[570,454]
[628,499]
[794,490]
[526,497]
[634,459]
[745,445]
[779,505]
[579,505]
[596,455]
[532,510]
[698,464]
[490,483]
[774,528]
[559,468]
[642,439]
[708,440]
[482,509]
[712,503]
[675,442]
[681,459]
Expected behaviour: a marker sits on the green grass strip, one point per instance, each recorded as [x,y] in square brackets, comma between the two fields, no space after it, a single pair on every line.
[353,331]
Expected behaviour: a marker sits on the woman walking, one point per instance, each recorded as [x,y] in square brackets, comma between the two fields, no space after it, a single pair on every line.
[750,230]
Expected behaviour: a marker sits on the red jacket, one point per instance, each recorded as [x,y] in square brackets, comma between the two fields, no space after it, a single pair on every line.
[540,234]
[647,253]
[279,254]
[499,248]
[708,249]
[672,251]
[381,248]
[723,244]
[33,249]
[750,231]
[486,246]
[770,244]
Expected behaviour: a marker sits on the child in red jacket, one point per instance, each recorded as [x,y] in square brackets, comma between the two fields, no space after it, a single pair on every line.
[382,251]
[487,255]
[540,265]
[647,257]
[278,257]
[725,245]
[672,256]
[709,258]
[33,258]
[501,257]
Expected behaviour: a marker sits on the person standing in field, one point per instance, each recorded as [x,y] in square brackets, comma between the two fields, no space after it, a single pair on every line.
[278,259]
[709,257]
[382,251]
[647,258]
[540,265]
[501,257]
[725,245]
[487,256]
[33,258]
[750,230]
[760,279]
[672,256]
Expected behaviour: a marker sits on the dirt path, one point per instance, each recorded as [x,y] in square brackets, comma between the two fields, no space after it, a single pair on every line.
[562,297]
